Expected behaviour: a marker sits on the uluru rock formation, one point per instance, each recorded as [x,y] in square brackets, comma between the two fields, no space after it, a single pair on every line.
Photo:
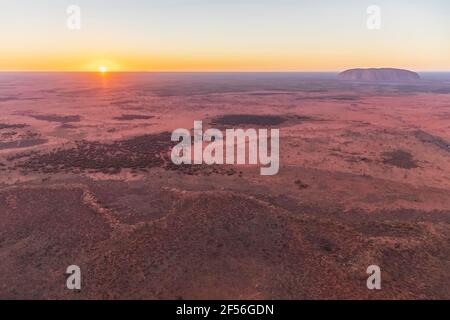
[379,75]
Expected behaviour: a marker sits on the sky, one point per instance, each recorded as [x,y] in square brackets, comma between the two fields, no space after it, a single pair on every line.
[223,35]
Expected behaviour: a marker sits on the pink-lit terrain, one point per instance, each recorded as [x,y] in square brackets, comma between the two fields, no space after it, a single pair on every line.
[85,179]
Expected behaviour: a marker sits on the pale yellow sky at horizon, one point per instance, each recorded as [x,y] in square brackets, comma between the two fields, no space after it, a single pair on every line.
[197,35]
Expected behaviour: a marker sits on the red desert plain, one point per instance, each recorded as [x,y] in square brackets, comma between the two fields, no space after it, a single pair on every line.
[86,179]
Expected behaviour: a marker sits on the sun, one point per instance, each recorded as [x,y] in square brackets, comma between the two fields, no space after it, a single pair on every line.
[103,69]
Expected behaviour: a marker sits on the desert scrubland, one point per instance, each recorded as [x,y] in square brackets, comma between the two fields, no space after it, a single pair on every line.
[86,179]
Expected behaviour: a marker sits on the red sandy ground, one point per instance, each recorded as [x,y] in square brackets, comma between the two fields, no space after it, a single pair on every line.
[364,180]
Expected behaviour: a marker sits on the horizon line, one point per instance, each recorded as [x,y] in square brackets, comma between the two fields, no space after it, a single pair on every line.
[212,71]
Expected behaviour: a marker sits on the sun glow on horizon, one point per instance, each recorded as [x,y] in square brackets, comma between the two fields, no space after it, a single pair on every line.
[103,69]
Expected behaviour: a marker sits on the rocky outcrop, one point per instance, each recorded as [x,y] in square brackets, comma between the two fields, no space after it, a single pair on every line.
[379,75]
